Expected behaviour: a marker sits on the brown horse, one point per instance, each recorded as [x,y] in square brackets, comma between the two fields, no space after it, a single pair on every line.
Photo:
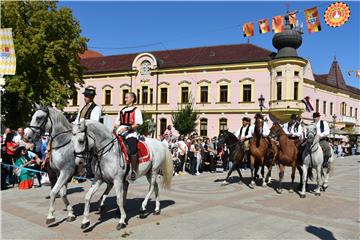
[236,150]
[260,154]
[287,155]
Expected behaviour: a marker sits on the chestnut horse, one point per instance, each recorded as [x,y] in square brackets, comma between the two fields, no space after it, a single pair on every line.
[287,155]
[260,154]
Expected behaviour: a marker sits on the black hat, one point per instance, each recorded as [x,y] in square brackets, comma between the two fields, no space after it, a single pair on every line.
[246,119]
[316,114]
[89,92]
[259,115]
[293,116]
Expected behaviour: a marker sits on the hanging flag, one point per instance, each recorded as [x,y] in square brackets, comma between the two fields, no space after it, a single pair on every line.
[292,19]
[358,73]
[278,24]
[264,25]
[7,52]
[312,19]
[248,29]
[337,14]
[307,103]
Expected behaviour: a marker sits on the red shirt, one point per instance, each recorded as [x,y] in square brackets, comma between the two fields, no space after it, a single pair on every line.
[12,145]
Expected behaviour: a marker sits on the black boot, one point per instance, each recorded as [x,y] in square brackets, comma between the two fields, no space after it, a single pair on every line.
[326,162]
[134,167]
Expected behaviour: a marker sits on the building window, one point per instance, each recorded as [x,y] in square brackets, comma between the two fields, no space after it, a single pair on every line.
[296,73]
[162,125]
[222,124]
[223,93]
[247,93]
[204,94]
[356,116]
[331,108]
[75,98]
[324,107]
[279,73]
[203,127]
[138,95]
[350,111]
[163,95]
[151,95]
[343,109]
[124,92]
[278,90]
[144,95]
[184,94]
[317,106]
[296,91]
[107,97]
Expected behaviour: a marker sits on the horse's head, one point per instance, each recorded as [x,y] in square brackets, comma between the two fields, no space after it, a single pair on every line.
[311,132]
[222,137]
[40,123]
[83,145]
[259,123]
[275,131]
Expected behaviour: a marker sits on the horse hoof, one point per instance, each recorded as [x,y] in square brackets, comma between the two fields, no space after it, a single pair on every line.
[224,183]
[142,214]
[279,191]
[317,194]
[291,190]
[120,226]
[302,195]
[264,185]
[323,188]
[70,218]
[50,220]
[85,225]
[157,212]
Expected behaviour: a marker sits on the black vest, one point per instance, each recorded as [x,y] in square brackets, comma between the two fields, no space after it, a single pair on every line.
[88,113]
[246,131]
[322,127]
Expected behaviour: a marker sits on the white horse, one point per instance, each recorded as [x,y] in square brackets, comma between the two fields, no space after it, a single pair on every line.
[312,157]
[91,137]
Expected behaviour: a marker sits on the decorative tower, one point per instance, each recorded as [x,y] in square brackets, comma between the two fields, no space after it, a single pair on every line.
[286,70]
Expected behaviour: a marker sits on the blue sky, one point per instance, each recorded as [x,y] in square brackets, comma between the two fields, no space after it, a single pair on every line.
[192,24]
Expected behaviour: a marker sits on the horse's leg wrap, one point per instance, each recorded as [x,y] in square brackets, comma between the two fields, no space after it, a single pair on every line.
[134,166]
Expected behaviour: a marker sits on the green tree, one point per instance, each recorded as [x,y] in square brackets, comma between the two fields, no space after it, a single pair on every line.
[144,128]
[47,45]
[185,120]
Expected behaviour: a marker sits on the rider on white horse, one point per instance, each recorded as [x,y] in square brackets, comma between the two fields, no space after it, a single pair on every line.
[127,122]
[90,110]
[323,131]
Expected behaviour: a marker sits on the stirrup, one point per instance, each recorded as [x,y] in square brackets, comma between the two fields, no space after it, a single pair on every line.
[132,176]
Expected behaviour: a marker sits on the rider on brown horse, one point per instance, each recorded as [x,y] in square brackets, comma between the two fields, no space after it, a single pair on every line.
[244,134]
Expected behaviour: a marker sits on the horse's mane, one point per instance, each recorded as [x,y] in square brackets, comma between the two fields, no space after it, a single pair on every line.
[59,119]
[100,132]
[231,137]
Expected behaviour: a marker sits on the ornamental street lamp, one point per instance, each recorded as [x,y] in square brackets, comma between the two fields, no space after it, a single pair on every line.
[261,100]
[334,121]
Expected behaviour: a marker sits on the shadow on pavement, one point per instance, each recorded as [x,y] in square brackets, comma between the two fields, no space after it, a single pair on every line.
[74,190]
[320,232]
[132,207]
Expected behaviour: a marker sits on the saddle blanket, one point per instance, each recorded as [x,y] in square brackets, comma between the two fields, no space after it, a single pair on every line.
[142,150]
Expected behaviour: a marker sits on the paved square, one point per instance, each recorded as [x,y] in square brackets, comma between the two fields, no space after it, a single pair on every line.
[198,207]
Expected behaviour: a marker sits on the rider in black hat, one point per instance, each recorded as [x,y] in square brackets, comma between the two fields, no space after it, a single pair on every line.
[323,131]
[90,110]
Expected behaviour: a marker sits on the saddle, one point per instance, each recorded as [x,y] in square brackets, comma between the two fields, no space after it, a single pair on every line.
[143,151]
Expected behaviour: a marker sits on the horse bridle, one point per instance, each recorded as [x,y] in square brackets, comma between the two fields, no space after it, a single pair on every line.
[40,130]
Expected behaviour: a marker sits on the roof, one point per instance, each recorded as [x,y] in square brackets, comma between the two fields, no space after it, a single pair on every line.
[90,54]
[211,55]
[335,79]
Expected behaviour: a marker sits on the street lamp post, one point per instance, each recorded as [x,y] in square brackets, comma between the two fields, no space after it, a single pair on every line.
[334,121]
[261,100]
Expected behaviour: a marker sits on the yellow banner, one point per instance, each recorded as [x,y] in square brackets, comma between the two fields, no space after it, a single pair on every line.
[312,19]
[7,52]
[264,26]
[278,24]
[248,29]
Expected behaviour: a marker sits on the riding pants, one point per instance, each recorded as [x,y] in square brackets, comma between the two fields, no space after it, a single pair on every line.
[326,147]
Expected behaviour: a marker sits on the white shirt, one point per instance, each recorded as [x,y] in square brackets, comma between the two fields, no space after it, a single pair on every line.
[182,144]
[326,129]
[293,131]
[17,139]
[95,114]
[249,135]
[138,120]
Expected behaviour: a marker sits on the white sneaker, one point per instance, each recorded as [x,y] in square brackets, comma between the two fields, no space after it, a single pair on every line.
[176,174]
[197,173]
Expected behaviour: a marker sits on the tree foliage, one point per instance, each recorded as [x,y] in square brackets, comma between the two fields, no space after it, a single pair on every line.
[185,120]
[47,45]
[146,128]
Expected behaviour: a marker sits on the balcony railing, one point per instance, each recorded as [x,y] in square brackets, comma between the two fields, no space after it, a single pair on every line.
[348,120]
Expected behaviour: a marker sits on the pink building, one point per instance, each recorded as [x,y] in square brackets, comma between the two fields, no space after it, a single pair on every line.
[223,84]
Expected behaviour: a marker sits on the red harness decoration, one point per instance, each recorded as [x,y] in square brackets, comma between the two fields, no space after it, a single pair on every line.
[142,150]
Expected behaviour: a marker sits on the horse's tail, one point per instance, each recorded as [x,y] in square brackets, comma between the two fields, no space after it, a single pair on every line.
[167,170]
[310,174]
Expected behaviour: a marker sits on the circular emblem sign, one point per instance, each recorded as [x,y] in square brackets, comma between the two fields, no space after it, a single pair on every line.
[337,14]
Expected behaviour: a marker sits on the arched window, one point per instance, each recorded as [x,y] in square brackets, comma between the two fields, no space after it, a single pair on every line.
[203,127]
[107,92]
[222,124]
[343,109]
